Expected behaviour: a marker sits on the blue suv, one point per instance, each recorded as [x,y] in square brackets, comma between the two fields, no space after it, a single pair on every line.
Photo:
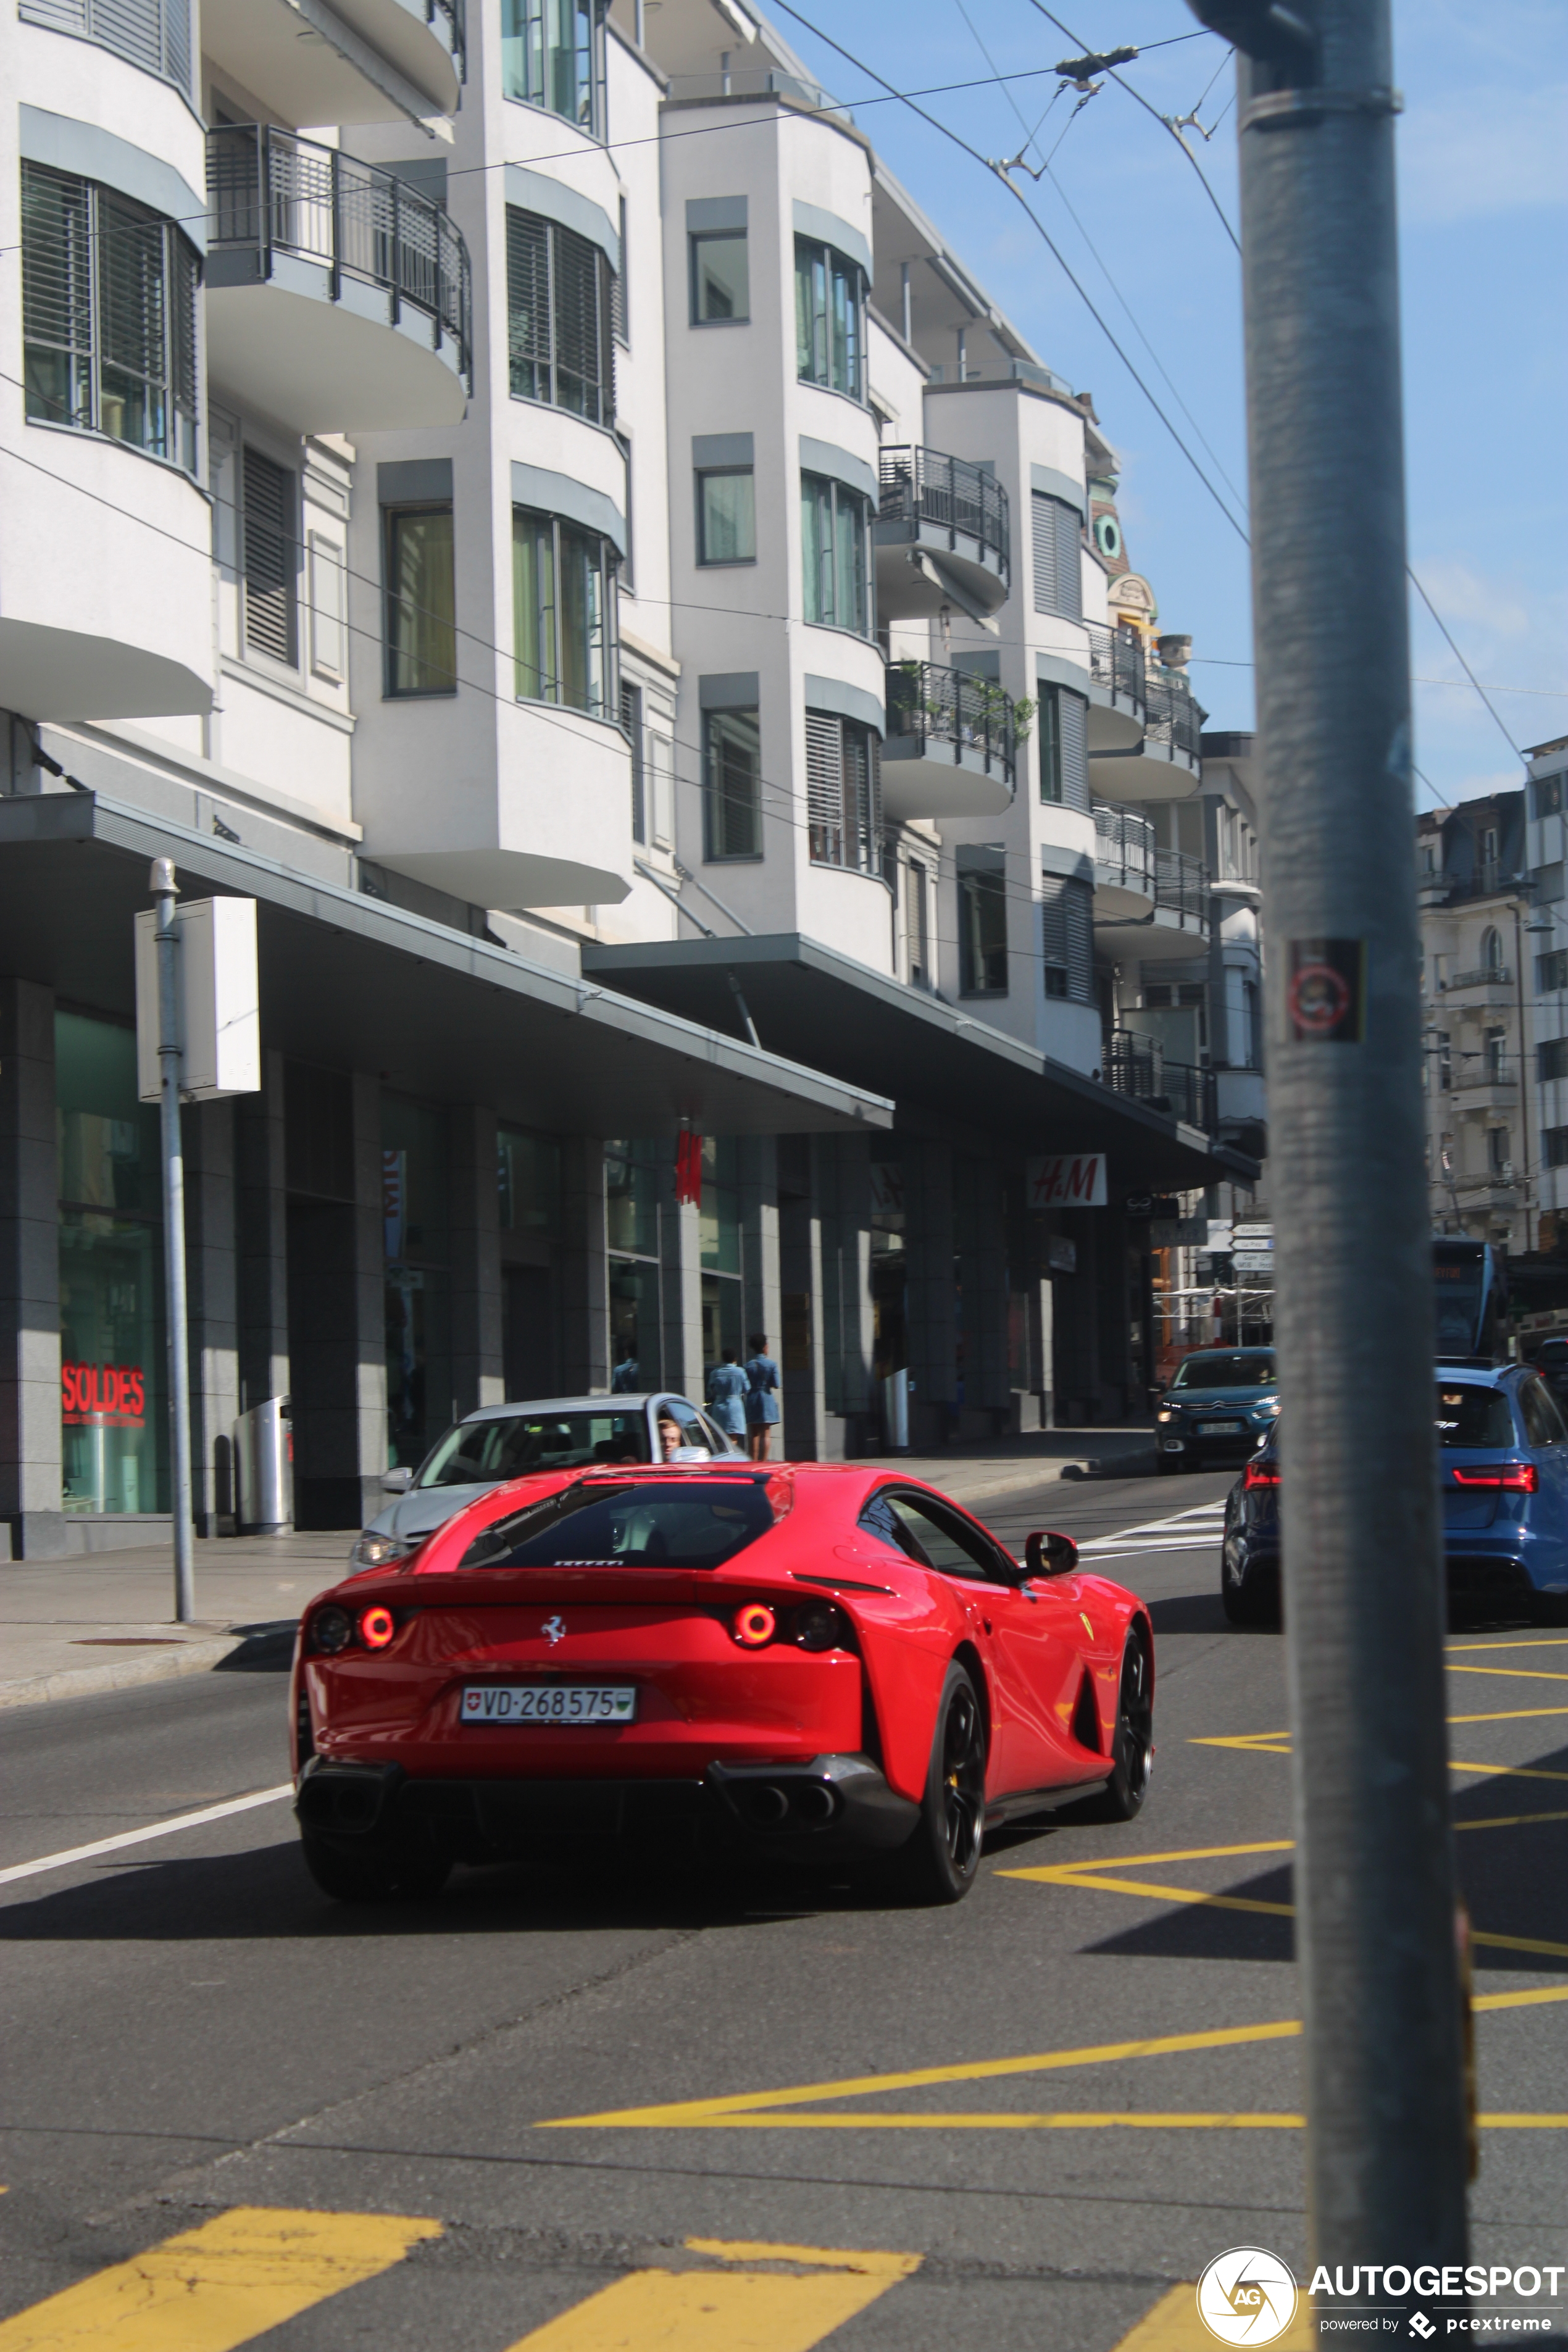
[1221,1404]
[1504,1477]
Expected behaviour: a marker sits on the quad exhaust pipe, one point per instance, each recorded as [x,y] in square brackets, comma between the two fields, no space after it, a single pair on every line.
[785,1803]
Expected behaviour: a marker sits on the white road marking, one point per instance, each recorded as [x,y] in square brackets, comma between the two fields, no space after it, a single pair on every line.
[1197,1530]
[140,1837]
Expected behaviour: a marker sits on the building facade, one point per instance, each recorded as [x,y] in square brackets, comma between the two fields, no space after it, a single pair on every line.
[571,540]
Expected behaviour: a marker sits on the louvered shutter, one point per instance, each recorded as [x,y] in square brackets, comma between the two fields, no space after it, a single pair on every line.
[132,28]
[59,16]
[268,557]
[859,838]
[1059,576]
[528,304]
[825,786]
[177,41]
[183,280]
[57,295]
[1053,924]
[1072,715]
[1078,912]
[631,719]
[580,341]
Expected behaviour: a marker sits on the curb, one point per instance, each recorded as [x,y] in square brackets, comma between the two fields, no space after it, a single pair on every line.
[261,1642]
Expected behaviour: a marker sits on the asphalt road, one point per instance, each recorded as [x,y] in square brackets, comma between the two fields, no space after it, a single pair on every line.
[431,2126]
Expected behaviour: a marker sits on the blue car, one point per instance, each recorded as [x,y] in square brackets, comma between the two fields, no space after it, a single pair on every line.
[1504,1474]
[1221,1404]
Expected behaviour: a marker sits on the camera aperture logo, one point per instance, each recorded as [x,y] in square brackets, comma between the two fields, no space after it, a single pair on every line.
[1247,2296]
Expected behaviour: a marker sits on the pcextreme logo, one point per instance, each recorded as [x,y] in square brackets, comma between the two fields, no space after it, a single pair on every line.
[1247,2296]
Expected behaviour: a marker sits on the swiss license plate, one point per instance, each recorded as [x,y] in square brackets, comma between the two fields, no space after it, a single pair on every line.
[1219,1429]
[549,1702]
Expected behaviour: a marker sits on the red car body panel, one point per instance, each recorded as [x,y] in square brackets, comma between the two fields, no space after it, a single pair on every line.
[703,1698]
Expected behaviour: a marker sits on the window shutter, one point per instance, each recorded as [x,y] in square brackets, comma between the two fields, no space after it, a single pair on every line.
[1053,924]
[859,841]
[1072,714]
[1080,923]
[631,719]
[528,304]
[1044,553]
[59,16]
[825,785]
[579,325]
[183,280]
[133,28]
[1059,576]
[131,288]
[57,294]
[268,557]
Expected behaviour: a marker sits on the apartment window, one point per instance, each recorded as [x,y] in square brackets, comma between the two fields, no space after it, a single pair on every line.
[733,760]
[1546,795]
[152,33]
[727,516]
[835,523]
[270,558]
[829,318]
[559,337]
[843,790]
[1553,1058]
[109,316]
[721,278]
[1555,1148]
[631,721]
[421,601]
[1059,573]
[1444,1051]
[1549,884]
[552,56]
[1063,748]
[917,925]
[1491,950]
[1499,1159]
[1551,971]
[1067,940]
[982,923]
[563,612]
[1494,1054]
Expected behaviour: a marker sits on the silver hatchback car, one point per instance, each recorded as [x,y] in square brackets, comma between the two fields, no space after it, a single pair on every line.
[507,1441]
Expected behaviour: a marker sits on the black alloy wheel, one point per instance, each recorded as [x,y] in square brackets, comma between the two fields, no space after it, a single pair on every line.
[374,1869]
[942,1857]
[1132,1745]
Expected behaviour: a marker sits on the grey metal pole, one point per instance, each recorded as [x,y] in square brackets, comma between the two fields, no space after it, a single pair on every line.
[165,890]
[1375,1879]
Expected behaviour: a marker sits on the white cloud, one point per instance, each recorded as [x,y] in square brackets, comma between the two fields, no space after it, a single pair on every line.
[1489,151]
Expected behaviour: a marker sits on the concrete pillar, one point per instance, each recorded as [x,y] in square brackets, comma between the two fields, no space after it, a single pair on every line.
[681,1287]
[369,1293]
[31,1521]
[801,1353]
[211,1270]
[844,1164]
[981,1239]
[477,1375]
[930,1299]
[584,1294]
[262,1239]
[758,1162]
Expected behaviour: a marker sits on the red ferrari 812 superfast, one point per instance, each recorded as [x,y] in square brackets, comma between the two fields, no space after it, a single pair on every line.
[814,1661]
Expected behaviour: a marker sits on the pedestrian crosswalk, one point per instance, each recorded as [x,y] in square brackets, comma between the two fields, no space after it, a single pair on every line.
[1199,1529]
[247,2271]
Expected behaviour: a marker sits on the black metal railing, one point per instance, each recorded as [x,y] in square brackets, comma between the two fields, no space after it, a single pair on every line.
[1126,853]
[1136,1066]
[1171,714]
[1115,660]
[272,192]
[455,14]
[924,486]
[930,705]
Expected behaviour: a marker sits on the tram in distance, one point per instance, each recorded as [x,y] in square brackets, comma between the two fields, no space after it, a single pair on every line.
[1470,1280]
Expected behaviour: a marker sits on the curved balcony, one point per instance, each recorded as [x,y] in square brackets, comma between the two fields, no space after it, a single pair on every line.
[1163,764]
[1136,1066]
[1115,688]
[1137,882]
[339,298]
[941,537]
[952,744]
[400,57]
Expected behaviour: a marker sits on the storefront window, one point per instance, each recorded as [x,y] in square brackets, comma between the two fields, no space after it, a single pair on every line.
[632,1235]
[528,1170]
[419,1402]
[114,1411]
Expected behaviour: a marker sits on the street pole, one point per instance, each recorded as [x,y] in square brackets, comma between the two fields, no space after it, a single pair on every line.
[1523,1070]
[1374,1880]
[165,890]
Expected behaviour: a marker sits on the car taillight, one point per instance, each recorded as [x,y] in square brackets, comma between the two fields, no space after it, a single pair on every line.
[753,1626]
[1260,1474]
[377,1626]
[331,1629]
[820,1625]
[1513,1477]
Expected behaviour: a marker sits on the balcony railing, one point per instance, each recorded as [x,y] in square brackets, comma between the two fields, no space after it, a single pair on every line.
[1171,715]
[934,706]
[1115,660]
[1137,1067]
[275,193]
[1484,975]
[924,486]
[1127,853]
[455,15]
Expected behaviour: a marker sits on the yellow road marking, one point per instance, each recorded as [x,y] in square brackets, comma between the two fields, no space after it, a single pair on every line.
[1528,1642]
[1174,2326]
[1510,1772]
[726,2311]
[1511,1715]
[1516,1673]
[215,2287]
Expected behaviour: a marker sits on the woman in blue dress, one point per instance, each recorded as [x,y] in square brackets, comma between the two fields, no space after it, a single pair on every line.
[727,1387]
[761,1397]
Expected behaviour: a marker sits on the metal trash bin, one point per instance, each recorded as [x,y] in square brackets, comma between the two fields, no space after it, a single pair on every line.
[896,1412]
[264,1467]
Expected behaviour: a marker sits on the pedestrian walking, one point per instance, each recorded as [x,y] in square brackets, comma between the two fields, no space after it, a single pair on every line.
[761,1397]
[727,1391]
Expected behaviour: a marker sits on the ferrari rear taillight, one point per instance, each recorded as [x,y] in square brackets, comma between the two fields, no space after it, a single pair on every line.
[1513,1477]
[376,1626]
[753,1626]
[815,1625]
[331,1629]
[819,1625]
[1260,1474]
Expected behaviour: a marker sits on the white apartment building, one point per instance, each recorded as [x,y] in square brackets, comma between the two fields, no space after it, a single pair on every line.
[520,490]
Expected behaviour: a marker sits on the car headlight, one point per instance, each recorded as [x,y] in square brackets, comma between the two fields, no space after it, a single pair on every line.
[374,1550]
[1166,1413]
[1269,1412]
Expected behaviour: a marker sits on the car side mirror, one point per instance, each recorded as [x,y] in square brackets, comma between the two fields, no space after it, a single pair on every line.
[1048,1554]
[396,1481]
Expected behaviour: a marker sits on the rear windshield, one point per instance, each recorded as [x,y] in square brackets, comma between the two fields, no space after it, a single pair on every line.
[1468,1415]
[1251,1368]
[698,1523]
[483,1452]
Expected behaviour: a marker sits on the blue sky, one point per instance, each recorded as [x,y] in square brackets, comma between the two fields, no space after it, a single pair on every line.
[1483,169]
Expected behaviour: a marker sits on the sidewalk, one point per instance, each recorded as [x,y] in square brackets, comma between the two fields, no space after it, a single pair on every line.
[102,1621]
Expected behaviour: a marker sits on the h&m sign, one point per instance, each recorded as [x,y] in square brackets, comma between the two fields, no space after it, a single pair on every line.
[1069,1180]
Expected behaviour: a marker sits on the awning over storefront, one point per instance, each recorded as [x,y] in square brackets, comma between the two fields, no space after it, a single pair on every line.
[938,1062]
[348,982]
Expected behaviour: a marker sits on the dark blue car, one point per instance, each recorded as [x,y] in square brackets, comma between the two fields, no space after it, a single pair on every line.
[1504,1474]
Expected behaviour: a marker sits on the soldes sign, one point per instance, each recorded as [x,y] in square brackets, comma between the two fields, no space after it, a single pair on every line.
[108,1395]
